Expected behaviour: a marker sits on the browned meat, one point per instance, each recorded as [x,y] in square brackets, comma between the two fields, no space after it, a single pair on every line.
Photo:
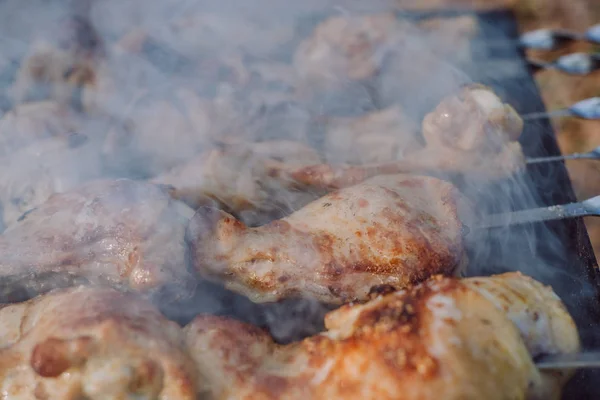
[239,178]
[440,339]
[31,175]
[472,133]
[439,162]
[28,123]
[394,230]
[346,48]
[125,233]
[379,136]
[96,344]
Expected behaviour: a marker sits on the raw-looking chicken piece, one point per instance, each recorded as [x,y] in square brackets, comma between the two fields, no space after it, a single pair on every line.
[379,136]
[238,177]
[440,339]
[31,175]
[395,230]
[344,48]
[124,233]
[30,122]
[92,343]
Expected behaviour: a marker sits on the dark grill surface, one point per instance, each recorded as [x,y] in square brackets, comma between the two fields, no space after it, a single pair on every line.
[558,253]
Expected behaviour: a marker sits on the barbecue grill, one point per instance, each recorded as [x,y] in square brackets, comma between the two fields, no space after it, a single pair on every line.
[557,252]
[580,284]
[497,59]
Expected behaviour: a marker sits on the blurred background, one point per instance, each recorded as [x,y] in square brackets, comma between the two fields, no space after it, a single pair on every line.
[560,89]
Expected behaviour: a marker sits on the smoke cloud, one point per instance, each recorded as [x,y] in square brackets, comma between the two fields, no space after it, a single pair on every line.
[154,84]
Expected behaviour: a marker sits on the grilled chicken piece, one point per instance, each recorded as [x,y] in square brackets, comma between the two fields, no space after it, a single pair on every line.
[28,123]
[379,136]
[475,119]
[238,178]
[440,339]
[125,233]
[394,230]
[55,68]
[31,175]
[343,48]
[92,343]
[472,133]
[471,165]
[536,310]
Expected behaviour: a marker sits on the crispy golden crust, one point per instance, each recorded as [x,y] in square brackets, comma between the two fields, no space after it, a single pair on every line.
[94,344]
[439,339]
[394,230]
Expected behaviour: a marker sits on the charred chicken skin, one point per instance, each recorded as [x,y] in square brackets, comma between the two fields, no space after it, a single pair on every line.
[394,230]
[440,339]
[125,233]
[92,343]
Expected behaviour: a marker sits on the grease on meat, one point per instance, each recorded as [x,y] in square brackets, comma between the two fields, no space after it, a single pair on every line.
[439,337]
[125,233]
[92,343]
[394,230]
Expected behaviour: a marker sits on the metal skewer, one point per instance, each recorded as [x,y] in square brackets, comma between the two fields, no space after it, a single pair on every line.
[574,64]
[588,359]
[587,208]
[585,109]
[590,155]
[551,39]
